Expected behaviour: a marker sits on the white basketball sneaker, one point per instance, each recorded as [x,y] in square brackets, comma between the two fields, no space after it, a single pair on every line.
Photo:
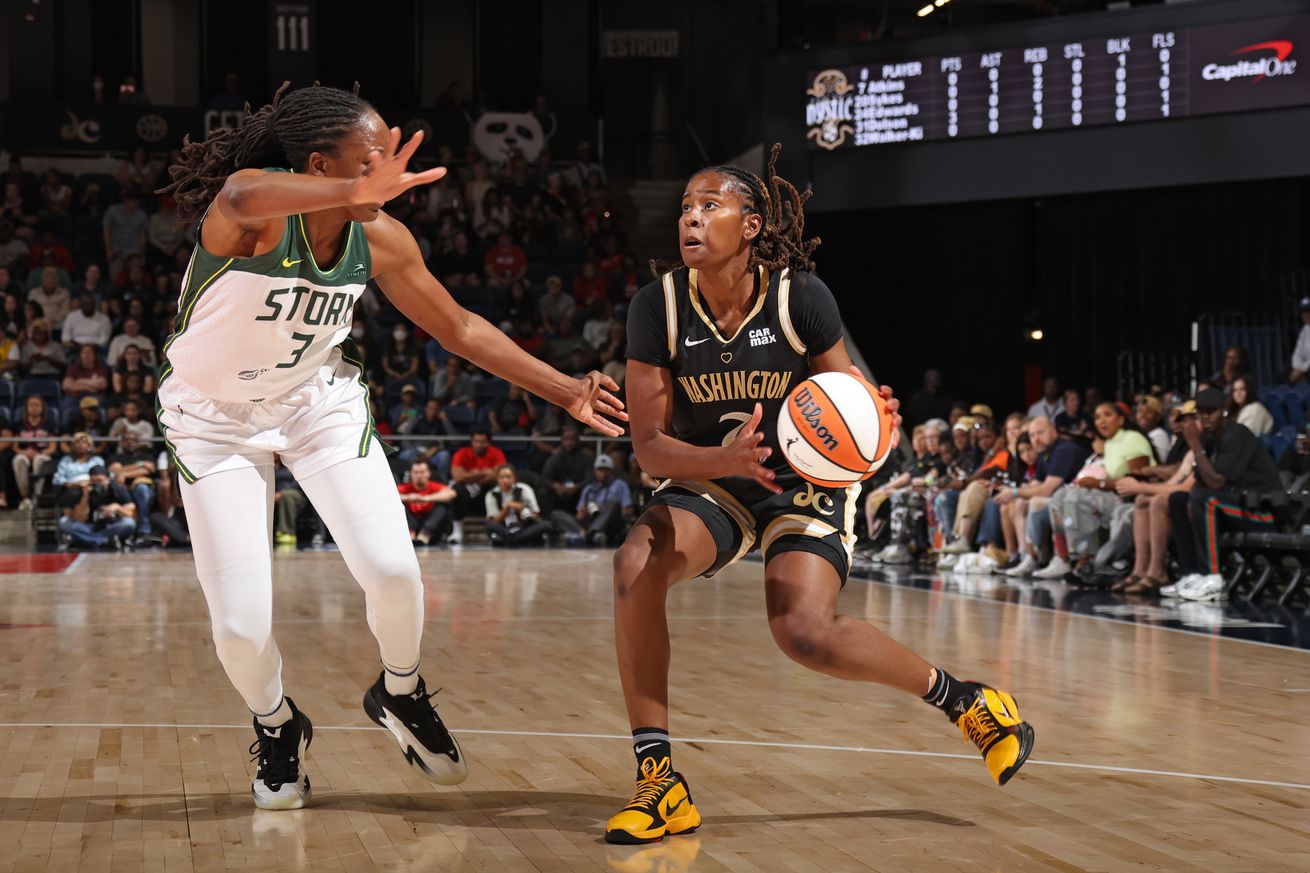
[1057,569]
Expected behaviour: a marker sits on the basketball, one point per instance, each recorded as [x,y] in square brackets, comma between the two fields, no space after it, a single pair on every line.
[835,429]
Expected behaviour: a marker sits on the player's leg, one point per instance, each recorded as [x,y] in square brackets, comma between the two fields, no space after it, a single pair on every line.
[230,516]
[357,500]
[666,545]
[801,589]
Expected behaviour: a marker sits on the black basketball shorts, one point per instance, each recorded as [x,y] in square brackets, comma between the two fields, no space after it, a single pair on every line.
[742,517]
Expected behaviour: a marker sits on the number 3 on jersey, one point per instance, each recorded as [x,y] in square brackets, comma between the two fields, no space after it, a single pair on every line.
[305,340]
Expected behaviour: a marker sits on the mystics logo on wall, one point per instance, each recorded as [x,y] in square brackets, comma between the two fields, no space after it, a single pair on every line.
[1277,61]
[1248,65]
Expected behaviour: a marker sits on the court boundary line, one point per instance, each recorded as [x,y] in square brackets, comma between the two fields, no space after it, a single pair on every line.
[717,741]
[1194,634]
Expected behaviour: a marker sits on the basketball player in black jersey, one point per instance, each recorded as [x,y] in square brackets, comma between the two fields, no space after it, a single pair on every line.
[714,347]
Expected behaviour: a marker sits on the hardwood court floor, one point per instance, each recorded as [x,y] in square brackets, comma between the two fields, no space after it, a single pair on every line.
[122,747]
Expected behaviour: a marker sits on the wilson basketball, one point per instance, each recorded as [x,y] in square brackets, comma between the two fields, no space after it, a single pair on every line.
[835,429]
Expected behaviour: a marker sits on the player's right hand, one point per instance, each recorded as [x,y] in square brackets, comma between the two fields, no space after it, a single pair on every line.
[745,456]
[386,178]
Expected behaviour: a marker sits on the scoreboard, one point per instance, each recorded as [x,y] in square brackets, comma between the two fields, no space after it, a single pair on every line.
[1104,80]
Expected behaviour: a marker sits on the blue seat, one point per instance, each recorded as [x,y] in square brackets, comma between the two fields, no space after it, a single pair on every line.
[47,389]
[461,418]
[486,390]
[1279,441]
[1295,407]
[1272,398]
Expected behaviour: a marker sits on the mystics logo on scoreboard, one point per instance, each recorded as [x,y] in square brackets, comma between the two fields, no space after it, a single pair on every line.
[1249,65]
[830,114]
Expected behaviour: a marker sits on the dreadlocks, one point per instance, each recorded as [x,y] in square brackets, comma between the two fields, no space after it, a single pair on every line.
[282,134]
[781,242]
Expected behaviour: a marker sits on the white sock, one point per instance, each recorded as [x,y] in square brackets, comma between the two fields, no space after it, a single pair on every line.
[457,530]
[279,716]
[399,686]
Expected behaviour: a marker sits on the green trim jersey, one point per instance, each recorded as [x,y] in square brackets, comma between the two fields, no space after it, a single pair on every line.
[250,329]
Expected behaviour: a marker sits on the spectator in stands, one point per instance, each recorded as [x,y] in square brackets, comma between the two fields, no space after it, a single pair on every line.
[453,384]
[86,325]
[1296,463]
[54,298]
[1072,423]
[49,250]
[1236,363]
[13,251]
[88,419]
[460,262]
[1300,355]
[513,414]
[131,336]
[162,231]
[560,348]
[427,504]
[134,392]
[130,365]
[93,283]
[555,306]
[85,376]
[132,420]
[603,508]
[139,172]
[1230,462]
[13,208]
[31,458]
[519,306]
[11,354]
[400,358]
[1150,418]
[585,167]
[589,288]
[77,464]
[505,262]
[405,416]
[41,356]
[614,354]
[513,517]
[1079,512]
[289,503]
[473,470]
[567,468]
[56,196]
[596,330]
[978,487]
[929,401]
[1151,527]
[132,467]
[432,423]
[908,495]
[1051,403]
[125,227]
[1246,409]
[1058,460]
[95,513]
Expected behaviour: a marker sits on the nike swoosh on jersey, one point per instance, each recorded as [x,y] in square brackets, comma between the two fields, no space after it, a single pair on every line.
[689,343]
[287,262]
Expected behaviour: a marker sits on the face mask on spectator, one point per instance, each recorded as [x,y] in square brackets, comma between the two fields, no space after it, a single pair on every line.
[400,334]
[357,333]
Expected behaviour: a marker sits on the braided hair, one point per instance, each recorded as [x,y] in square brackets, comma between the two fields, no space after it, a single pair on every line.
[283,133]
[781,242]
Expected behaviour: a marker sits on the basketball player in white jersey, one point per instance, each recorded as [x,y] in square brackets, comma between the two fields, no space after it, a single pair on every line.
[260,364]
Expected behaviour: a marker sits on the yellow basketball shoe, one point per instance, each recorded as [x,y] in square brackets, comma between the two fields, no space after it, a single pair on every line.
[660,805]
[992,723]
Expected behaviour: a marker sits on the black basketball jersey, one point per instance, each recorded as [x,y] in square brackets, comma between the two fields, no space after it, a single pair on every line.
[717,380]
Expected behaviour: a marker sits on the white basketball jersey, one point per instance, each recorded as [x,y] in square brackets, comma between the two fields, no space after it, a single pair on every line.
[249,329]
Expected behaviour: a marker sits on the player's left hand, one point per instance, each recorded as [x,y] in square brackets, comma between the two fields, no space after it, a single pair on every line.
[593,399]
[893,406]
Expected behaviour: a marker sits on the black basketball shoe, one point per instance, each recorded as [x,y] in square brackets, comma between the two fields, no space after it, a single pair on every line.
[413,721]
[279,783]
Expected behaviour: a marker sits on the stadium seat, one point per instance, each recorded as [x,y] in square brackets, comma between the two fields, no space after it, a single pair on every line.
[461,418]
[47,389]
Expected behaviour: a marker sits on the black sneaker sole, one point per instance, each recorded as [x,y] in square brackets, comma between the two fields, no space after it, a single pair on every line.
[1026,738]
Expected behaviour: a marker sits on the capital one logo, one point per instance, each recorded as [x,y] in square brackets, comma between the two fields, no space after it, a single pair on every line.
[1272,65]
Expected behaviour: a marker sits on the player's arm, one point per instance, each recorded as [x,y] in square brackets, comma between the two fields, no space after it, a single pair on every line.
[664,456]
[405,280]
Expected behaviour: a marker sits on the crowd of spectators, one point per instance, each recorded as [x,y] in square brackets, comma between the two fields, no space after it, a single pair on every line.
[91,268]
[1088,490]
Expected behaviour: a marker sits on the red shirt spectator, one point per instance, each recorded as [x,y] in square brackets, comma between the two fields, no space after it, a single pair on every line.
[505,262]
[63,258]
[480,455]
[590,286]
[419,507]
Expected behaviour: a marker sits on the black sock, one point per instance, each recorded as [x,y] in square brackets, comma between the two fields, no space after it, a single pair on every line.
[651,743]
[950,695]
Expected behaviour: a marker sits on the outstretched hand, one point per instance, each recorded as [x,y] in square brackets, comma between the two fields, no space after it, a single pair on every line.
[386,177]
[594,400]
[745,455]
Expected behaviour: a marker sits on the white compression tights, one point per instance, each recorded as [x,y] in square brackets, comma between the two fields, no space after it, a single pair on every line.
[230,516]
